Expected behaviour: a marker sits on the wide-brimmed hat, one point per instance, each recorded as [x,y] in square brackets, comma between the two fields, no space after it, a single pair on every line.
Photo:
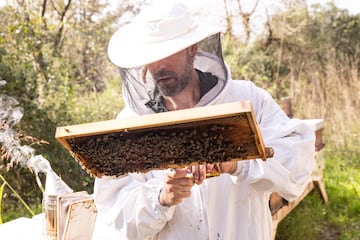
[157,32]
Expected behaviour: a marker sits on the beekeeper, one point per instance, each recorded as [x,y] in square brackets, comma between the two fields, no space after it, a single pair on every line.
[169,59]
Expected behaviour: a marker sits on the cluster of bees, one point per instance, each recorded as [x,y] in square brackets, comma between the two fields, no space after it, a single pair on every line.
[115,154]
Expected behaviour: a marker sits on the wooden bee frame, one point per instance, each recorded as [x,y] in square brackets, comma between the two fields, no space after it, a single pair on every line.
[211,134]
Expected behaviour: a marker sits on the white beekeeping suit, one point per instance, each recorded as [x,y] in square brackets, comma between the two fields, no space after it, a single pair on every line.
[232,206]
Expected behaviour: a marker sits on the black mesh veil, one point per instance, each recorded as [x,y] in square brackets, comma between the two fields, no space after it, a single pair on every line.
[138,87]
[212,45]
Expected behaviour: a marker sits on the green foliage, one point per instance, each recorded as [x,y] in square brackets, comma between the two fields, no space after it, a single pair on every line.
[55,65]
[54,60]
[259,64]
[343,181]
[5,183]
[306,221]
[340,218]
[247,62]
[312,55]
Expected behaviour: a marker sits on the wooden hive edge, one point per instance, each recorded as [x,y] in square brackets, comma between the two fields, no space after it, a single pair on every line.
[153,120]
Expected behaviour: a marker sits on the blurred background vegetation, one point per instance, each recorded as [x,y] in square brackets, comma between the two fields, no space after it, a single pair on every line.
[53,58]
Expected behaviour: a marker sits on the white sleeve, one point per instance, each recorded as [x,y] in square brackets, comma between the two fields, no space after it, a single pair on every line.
[293,142]
[128,206]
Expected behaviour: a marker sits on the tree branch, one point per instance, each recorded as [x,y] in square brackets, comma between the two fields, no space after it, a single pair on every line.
[43,8]
[59,34]
[245,16]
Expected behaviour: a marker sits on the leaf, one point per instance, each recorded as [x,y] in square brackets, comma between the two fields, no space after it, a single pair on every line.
[1,196]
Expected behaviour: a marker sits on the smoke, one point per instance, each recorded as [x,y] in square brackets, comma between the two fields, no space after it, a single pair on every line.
[11,149]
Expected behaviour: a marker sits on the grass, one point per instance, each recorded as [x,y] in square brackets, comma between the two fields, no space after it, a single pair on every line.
[21,209]
[336,101]
[340,218]
[311,219]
